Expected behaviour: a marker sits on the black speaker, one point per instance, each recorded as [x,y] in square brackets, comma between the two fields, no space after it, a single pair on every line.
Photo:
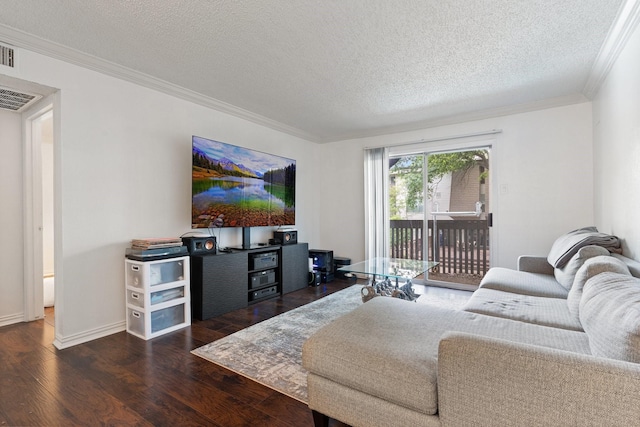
[200,245]
[285,237]
[314,278]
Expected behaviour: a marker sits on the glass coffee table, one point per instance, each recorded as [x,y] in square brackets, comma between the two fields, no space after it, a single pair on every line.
[390,270]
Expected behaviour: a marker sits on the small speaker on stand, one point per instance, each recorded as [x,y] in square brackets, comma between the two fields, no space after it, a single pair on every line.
[200,245]
[285,237]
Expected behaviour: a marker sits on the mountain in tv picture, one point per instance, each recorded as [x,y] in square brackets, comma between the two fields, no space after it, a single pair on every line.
[225,165]
[230,166]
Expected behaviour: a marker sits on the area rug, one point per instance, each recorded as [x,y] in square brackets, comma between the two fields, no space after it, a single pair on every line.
[270,352]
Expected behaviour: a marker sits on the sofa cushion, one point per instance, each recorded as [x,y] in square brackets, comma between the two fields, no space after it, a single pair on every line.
[388,348]
[565,275]
[524,308]
[632,264]
[610,315]
[568,244]
[523,282]
[590,268]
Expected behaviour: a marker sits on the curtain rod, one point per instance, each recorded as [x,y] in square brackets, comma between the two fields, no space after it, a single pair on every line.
[443,138]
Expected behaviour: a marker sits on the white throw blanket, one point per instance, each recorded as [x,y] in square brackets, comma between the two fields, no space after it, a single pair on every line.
[568,244]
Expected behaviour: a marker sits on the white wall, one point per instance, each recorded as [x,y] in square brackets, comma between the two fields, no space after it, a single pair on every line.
[544,158]
[616,118]
[11,243]
[124,165]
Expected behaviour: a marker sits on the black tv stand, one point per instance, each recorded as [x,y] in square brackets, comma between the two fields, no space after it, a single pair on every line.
[224,282]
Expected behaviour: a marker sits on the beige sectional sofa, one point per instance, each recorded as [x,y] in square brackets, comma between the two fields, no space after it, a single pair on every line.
[540,345]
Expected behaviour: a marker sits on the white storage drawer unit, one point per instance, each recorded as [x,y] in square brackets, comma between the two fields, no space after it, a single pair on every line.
[157,293]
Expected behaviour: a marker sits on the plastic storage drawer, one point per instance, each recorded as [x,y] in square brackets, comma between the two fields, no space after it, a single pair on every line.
[135,275]
[136,321]
[167,317]
[166,272]
[135,298]
[167,295]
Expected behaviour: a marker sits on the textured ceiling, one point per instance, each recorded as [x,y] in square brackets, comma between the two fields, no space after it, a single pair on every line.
[336,69]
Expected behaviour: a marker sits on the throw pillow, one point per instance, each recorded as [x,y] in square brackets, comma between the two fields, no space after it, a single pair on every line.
[590,268]
[566,274]
[610,315]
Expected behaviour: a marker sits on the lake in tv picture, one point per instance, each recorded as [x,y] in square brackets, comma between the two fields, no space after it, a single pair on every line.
[237,187]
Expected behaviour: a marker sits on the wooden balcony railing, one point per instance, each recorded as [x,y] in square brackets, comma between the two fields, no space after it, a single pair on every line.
[462,245]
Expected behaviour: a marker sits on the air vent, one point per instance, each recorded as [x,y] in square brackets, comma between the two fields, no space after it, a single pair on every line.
[15,101]
[7,56]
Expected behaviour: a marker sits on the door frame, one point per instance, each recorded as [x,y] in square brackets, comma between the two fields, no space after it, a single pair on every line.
[33,207]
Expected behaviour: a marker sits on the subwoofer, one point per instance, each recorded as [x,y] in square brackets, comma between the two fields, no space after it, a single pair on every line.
[200,245]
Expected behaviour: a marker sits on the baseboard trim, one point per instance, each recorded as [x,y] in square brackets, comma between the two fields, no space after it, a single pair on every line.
[11,319]
[61,342]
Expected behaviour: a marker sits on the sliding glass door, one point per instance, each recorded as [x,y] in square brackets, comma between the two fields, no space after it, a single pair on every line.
[438,208]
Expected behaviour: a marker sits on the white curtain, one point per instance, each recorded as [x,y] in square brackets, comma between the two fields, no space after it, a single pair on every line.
[376,208]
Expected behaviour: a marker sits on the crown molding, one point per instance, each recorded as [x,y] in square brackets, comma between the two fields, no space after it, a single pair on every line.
[54,50]
[623,27]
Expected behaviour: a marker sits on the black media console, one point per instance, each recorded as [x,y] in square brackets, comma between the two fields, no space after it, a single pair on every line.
[224,282]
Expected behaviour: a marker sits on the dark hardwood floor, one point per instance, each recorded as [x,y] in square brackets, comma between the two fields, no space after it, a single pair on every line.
[122,380]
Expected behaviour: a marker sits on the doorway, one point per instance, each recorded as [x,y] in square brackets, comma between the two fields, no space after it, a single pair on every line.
[39,244]
[438,205]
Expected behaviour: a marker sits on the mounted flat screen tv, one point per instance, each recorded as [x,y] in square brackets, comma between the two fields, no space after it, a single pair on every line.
[237,187]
